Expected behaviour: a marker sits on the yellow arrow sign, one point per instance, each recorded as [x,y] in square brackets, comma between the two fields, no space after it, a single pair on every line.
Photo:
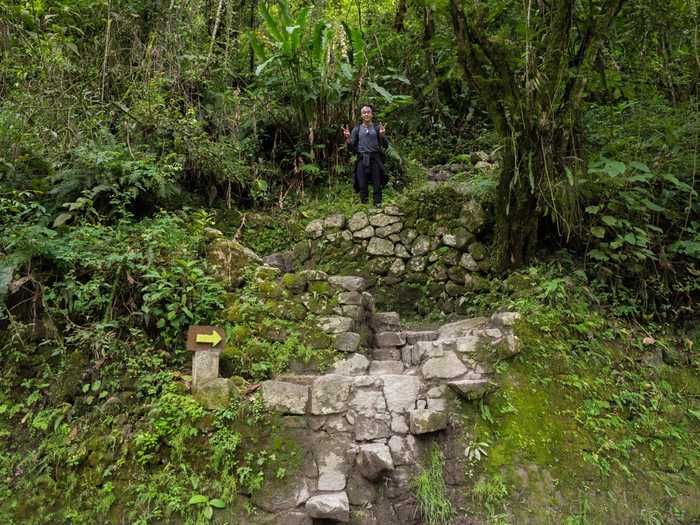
[213,339]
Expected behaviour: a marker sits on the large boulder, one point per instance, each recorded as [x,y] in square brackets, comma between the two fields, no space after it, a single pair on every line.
[228,258]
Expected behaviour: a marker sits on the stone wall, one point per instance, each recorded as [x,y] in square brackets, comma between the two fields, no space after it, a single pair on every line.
[405,255]
[365,426]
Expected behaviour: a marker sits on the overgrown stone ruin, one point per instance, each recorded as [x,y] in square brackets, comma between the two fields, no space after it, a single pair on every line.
[364,426]
[435,249]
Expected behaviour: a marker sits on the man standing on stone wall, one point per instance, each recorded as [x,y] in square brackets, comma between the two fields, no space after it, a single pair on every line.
[368,141]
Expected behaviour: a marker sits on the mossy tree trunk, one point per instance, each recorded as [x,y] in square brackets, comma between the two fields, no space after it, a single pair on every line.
[533,94]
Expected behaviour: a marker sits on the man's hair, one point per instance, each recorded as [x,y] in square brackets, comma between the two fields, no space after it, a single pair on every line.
[367,106]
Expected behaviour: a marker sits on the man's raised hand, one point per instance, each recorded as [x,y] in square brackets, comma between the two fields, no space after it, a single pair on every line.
[382,130]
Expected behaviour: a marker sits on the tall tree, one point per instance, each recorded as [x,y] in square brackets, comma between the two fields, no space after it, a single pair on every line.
[530,71]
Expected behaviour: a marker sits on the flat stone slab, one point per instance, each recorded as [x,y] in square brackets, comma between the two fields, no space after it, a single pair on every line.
[472,388]
[466,344]
[389,339]
[380,368]
[367,428]
[355,365]
[445,367]
[461,328]
[332,459]
[401,391]
[424,421]
[348,283]
[332,506]
[367,401]
[428,349]
[285,398]
[329,394]
[335,324]
[424,335]
[386,354]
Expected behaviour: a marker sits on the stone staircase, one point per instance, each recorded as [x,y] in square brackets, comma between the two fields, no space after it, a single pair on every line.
[364,424]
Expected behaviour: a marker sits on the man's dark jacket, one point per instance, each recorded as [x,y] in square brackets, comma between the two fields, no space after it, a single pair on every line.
[353,147]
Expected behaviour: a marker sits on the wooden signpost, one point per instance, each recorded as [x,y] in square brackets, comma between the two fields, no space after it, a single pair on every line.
[205,338]
[207,342]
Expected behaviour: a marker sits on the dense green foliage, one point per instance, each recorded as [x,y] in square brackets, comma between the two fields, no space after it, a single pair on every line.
[128,128]
[592,409]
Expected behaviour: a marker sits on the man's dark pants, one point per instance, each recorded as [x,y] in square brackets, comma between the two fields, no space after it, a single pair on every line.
[367,174]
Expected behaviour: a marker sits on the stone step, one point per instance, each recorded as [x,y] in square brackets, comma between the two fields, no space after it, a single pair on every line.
[385,367]
[385,322]
[382,339]
[413,337]
[386,354]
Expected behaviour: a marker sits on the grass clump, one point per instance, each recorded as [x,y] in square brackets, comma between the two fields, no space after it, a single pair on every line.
[431,491]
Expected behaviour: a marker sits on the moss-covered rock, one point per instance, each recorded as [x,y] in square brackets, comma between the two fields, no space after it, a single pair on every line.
[294,282]
[228,258]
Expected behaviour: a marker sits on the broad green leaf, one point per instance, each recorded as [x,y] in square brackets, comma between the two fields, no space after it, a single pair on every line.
[383,92]
[197,499]
[592,209]
[346,70]
[208,512]
[271,25]
[639,166]
[258,48]
[598,231]
[317,42]
[219,504]
[652,206]
[614,168]
[261,67]
[61,219]
[569,176]
[630,238]
[609,220]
